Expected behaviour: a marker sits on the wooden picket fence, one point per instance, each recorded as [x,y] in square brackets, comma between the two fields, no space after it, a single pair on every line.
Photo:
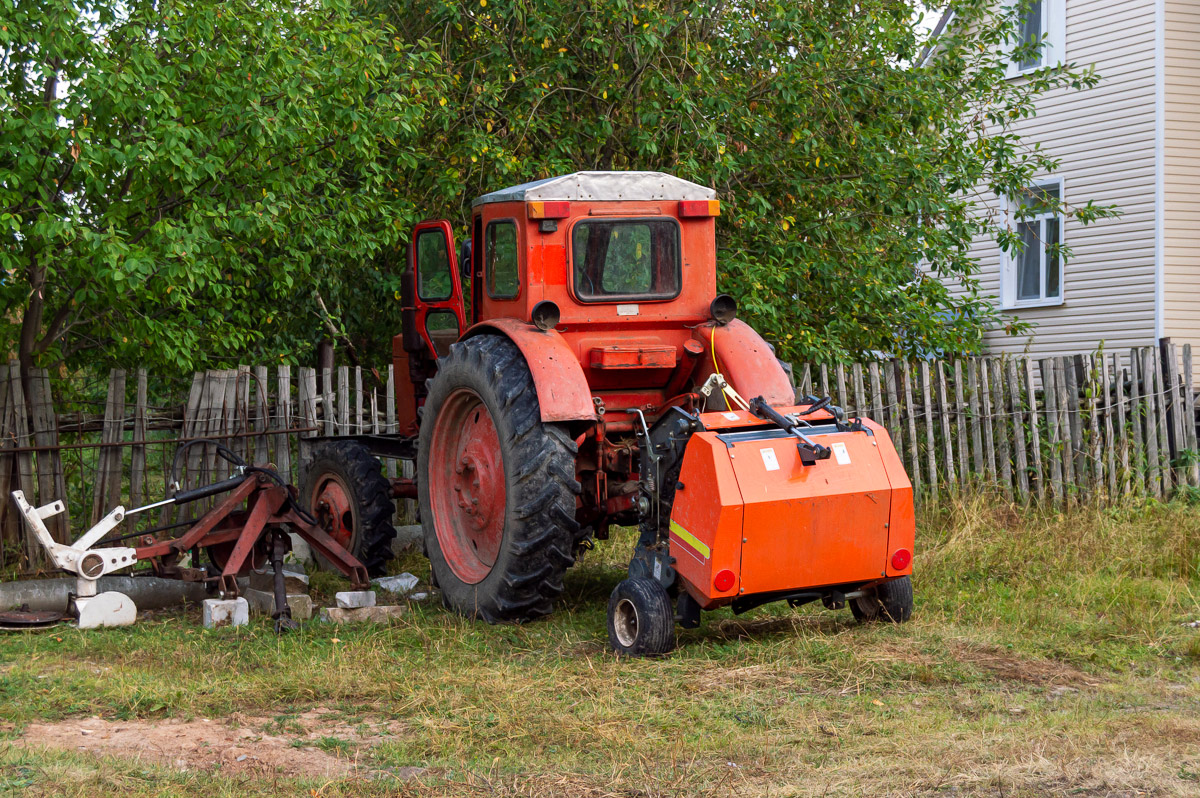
[1085,427]
[1094,427]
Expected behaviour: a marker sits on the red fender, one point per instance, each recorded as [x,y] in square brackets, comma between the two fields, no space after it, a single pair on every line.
[562,390]
[747,363]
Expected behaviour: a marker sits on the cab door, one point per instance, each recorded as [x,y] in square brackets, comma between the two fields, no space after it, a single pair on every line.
[440,319]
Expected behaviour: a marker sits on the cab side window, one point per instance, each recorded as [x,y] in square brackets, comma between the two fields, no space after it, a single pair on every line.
[500,259]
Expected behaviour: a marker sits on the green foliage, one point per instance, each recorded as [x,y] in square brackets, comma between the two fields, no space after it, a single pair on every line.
[841,158]
[192,183]
[177,177]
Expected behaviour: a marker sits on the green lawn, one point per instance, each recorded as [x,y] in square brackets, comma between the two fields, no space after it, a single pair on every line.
[1048,656]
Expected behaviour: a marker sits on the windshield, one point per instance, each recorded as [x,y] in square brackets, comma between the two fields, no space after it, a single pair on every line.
[625,259]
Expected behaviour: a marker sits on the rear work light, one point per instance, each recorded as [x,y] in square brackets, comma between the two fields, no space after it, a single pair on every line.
[549,210]
[901,559]
[693,208]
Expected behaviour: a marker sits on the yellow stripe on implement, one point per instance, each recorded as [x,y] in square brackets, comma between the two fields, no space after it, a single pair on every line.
[691,540]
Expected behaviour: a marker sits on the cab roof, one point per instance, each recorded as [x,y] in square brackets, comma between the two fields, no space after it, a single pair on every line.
[601,187]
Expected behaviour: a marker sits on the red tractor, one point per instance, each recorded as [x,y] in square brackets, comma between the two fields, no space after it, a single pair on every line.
[575,370]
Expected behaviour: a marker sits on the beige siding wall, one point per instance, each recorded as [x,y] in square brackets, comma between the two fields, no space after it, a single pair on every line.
[1105,140]
[1181,172]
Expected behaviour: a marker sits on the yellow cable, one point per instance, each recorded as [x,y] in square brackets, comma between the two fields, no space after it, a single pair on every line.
[716,368]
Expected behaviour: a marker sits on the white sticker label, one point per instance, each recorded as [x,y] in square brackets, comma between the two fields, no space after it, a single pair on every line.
[731,416]
[627,310]
[840,454]
[768,456]
[657,568]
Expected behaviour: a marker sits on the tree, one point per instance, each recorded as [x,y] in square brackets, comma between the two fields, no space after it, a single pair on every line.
[842,160]
[179,181]
[192,182]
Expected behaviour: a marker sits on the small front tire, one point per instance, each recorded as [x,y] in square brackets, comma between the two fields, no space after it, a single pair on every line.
[892,601]
[641,622]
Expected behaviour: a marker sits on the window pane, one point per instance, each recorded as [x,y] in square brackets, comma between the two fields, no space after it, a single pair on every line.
[433,266]
[1029,262]
[442,326]
[501,260]
[626,259]
[1031,33]
[1053,265]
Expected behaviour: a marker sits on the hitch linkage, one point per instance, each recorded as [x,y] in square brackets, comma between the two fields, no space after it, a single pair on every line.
[810,451]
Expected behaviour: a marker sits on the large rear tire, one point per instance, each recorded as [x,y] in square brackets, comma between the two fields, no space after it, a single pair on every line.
[496,486]
[345,489]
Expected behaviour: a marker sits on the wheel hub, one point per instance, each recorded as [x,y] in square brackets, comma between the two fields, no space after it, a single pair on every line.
[467,486]
[332,506]
[625,622]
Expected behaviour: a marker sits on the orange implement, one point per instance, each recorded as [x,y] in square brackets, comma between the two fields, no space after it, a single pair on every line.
[745,504]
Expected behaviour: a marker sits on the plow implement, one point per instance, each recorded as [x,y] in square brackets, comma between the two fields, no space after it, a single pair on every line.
[249,527]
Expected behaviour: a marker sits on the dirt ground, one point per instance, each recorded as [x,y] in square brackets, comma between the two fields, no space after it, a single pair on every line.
[235,745]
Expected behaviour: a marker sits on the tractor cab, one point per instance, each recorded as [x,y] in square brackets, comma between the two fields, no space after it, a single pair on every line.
[613,273]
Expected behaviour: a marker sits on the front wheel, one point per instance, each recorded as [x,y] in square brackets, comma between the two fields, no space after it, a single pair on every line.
[891,601]
[640,620]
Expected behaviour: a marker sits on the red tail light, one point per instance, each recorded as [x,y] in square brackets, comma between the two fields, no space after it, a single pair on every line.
[723,580]
[901,559]
[549,210]
[699,208]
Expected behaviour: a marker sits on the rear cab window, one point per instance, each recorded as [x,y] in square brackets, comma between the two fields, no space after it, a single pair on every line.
[501,259]
[622,259]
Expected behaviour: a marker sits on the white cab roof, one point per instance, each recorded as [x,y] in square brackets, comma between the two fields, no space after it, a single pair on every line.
[601,187]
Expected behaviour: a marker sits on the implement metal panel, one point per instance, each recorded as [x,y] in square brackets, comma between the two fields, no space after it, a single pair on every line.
[602,187]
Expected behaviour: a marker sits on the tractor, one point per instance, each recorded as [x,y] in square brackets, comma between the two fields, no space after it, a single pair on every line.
[574,369]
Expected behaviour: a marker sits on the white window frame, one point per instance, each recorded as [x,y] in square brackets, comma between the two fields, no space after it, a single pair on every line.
[1054,28]
[1009,261]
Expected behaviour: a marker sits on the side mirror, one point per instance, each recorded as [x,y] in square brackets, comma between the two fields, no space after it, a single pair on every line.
[464,260]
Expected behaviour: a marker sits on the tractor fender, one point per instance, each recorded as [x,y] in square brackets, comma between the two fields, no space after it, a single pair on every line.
[747,362]
[562,389]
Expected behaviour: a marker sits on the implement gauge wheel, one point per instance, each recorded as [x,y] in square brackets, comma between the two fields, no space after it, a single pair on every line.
[892,601]
[641,622]
[496,486]
[345,490]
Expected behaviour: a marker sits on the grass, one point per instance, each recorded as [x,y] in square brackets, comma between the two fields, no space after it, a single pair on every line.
[1048,656]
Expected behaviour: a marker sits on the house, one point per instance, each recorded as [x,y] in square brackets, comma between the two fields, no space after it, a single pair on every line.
[1132,141]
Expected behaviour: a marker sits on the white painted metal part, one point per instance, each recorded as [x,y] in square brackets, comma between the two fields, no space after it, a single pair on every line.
[88,565]
[109,608]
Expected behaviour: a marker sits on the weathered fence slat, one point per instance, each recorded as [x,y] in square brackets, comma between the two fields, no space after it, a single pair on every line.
[1035,443]
[1001,416]
[108,483]
[986,419]
[1189,414]
[944,418]
[930,445]
[19,430]
[51,481]
[911,432]
[137,454]
[960,421]
[281,445]
[1018,430]
[975,420]
[1053,433]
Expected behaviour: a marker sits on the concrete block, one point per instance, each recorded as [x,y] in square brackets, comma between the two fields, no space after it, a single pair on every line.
[263,603]
[105,609]
[354,599]
[407,538]
[399,584]
[384,613]
[226,612]
[294,581]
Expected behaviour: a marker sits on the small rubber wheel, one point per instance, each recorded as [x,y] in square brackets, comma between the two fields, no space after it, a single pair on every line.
[640,620]
[891,601]
[345,490]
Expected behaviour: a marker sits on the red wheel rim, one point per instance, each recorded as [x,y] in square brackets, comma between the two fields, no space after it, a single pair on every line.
[332,506]
[467,486]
